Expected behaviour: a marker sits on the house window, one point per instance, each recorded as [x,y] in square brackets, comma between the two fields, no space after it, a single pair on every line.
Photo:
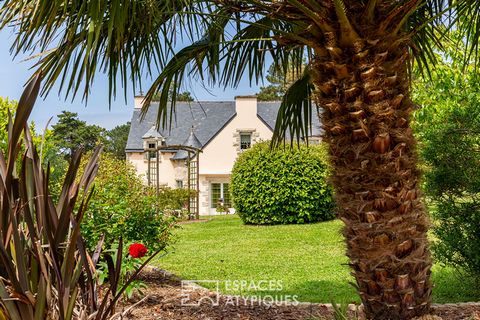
[245,141]
[179,184]
[151,150]
[220,192]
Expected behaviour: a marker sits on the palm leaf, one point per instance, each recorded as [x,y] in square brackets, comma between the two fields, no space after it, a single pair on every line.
[427,27]
[468,24]
[76,39]
[430,25]
[295,114]
[129,39]
[225,62]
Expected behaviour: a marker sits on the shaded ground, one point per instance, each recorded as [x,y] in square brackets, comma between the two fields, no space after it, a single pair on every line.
[167,301]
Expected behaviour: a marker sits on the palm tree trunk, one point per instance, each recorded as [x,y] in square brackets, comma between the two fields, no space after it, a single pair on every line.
[364,89]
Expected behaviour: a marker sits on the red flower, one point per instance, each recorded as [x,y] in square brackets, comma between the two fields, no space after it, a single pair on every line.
[137,250]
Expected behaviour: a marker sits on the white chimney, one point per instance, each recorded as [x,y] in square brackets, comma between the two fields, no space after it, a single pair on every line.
[246,107]
[138,102]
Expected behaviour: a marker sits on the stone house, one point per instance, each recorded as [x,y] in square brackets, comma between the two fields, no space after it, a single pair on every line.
[221,129]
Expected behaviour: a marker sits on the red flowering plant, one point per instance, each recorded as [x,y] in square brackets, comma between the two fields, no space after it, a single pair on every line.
[137,250]
[130,263]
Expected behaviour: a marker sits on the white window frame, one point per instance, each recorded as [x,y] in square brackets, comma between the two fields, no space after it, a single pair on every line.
[249,134]
[222,193]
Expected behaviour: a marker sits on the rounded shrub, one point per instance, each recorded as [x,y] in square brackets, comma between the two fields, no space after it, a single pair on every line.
[282,186]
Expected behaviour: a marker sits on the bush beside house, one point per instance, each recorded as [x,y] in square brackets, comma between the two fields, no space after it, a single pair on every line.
[174,202]
[282,186]
[123,206]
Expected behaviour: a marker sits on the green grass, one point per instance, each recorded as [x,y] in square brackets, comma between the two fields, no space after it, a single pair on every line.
[309,260]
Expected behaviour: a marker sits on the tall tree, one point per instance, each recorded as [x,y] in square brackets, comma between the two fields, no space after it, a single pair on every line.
[116,140]
[358,53]
[279,82]
[70,133]
[46,146]
[184,96]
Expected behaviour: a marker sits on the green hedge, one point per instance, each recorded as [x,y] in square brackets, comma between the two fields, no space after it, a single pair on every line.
[452,184]
[282,186]
[447,127]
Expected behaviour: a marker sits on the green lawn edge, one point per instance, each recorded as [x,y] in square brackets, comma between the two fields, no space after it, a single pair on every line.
[308,260]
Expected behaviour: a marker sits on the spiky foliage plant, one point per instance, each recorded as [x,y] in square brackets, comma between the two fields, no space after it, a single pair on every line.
[358,55]
[45,270]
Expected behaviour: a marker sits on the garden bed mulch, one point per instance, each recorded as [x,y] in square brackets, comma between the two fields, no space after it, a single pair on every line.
[164,301]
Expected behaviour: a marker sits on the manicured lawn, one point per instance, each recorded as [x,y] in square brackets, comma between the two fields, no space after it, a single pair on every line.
[308,259]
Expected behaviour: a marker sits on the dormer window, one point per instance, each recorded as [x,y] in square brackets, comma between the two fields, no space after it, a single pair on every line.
[151,149]
[245,140]
[152,140]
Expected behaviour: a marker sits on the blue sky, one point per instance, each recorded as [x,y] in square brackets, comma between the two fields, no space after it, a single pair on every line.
[15,72]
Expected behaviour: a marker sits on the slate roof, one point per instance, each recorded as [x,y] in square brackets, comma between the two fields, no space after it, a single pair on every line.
[206,118]
[192,141]
[267,112]
[152,133]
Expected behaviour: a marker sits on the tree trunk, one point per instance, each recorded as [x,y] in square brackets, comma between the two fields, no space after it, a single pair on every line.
[364,90]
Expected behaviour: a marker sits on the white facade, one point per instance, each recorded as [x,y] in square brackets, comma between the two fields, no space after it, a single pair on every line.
[217,157]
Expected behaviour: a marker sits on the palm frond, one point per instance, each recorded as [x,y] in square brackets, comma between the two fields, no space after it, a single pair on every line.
[75,39]
[427,26]
[431,24]
[294,118]
[223,59]
[468,24]
[247,52]
[172,75]
[190,60]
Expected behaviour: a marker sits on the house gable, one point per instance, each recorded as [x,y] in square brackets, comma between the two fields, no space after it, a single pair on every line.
[207,118]
[221,152]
